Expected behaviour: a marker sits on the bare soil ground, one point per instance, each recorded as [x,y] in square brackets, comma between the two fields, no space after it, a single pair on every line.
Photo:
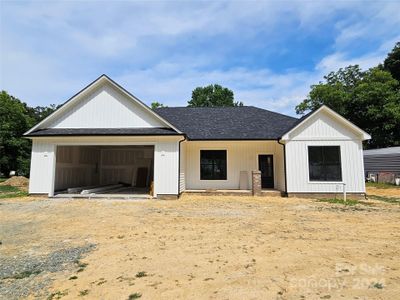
[386,192]
[199,248]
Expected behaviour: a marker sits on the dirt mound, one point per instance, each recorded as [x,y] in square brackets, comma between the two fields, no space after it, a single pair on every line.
[18,181]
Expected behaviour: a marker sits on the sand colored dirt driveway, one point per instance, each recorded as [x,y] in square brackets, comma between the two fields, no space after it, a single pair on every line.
[203,248]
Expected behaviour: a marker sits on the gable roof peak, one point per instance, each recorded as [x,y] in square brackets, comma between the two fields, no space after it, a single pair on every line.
[77,97]
[334,114]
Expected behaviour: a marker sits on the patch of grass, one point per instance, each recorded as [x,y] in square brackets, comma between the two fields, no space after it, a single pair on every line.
[25,274]
[83,293]
[376,285]
[385,199]
[81,266]
[3,179]
[73,277]
[141,274]
[380,185]
[8,191]
[134,296]
[101,281]
[57,295]
[348,202]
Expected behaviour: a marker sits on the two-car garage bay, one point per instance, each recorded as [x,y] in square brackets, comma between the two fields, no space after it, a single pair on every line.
[104,171]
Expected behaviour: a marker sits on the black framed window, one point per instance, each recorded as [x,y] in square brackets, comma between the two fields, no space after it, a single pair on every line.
[324,163]
[212,164]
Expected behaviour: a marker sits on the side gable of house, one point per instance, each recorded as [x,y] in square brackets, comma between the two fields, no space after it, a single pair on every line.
[325,124]
[324,130]
[106,107]
[103,104]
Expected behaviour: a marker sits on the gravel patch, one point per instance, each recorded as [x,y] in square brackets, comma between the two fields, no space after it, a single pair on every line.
[21,276]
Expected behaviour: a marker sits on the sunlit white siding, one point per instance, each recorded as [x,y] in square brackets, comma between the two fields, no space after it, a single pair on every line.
[106,107]
[43,161]
[297,167]
[166,160]
[323,130]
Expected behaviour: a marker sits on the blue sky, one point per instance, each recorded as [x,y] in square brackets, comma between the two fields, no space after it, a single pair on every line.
[267,52]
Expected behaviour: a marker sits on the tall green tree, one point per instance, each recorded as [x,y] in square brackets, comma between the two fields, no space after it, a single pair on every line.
[38,113]
[370,99]
[16,117]
[211,96]
[156,104]
[14,121]
[392,62]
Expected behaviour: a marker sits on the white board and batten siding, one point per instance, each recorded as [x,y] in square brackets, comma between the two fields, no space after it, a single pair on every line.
[323,130]
[106,107]
[166,160]
[43,162]
[241,156]
[166,164]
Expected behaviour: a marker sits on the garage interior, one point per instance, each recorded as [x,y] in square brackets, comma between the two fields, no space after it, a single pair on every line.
[104,171]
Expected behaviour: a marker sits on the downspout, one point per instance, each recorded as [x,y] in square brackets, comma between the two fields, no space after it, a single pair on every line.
[284,163]
[179,165]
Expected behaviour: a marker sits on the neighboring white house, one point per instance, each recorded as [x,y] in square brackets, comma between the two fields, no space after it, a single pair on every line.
[105,136]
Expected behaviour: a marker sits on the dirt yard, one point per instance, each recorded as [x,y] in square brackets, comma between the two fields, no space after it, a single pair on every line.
[199,248]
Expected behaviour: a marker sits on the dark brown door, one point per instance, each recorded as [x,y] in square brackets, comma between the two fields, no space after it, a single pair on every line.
[266,166]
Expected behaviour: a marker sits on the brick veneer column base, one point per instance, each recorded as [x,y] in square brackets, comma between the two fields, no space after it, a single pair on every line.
[256,183]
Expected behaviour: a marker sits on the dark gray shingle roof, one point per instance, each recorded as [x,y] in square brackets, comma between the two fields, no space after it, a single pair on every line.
[102,131]
[228,123]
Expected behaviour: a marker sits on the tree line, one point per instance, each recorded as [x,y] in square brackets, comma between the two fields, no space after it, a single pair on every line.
[16,117]
[370,99]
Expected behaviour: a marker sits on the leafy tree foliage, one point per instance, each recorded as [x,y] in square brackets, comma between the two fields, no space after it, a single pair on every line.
[392,62]
[369,99]
[211,96]
[156,104]
[39,113]
[14,121]
[16,118]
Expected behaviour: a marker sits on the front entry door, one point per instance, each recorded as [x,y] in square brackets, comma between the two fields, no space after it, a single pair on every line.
[266,166]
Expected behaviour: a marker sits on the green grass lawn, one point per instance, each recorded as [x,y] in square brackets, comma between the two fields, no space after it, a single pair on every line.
[382,185]
[7,191]
[3,179]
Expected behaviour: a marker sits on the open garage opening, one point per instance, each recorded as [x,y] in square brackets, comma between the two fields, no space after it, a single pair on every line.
[104,171]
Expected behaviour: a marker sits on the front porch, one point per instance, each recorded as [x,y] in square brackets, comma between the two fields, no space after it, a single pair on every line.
[226,167]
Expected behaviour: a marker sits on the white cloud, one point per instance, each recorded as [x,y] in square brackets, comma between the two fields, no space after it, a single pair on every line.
[261,88]
[48,51]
